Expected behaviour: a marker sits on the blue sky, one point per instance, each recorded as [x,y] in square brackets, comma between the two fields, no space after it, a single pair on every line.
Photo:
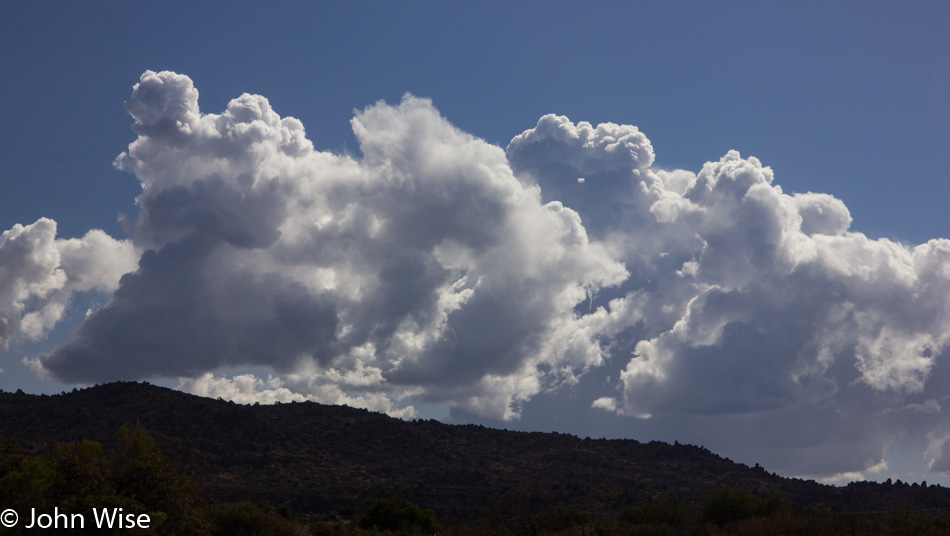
[848,99]
[843,98]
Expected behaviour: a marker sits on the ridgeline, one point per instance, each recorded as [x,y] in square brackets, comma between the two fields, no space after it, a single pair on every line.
[319,459]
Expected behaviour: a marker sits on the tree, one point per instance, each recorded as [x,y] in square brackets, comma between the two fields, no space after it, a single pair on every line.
[148,483]
[399,515]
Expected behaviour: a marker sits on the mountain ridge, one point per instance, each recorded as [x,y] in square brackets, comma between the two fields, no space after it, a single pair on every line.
[319,459]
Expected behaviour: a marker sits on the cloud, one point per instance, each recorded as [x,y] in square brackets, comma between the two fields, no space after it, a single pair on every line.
[437,268]
[840,479]
[777,310]
[40,273]
[251,389]
[426,261]
[746,306]
[597,171]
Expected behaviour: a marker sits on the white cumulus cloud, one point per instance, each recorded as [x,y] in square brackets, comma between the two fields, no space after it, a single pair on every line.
[425,261]
[748,304]
[40,273]
[437,268]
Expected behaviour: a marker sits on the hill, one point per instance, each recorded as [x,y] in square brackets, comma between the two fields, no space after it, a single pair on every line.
[319,459]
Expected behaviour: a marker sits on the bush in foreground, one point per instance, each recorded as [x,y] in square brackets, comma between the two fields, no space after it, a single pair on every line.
[398,515]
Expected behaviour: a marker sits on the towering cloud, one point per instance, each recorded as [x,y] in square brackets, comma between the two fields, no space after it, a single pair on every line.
[435,267]
[425,267]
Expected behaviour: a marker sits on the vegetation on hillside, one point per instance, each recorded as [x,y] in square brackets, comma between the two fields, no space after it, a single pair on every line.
[216,468]
[77,477]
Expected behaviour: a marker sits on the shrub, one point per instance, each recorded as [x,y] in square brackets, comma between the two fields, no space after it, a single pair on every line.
[247,519]
[398,515]
[725,506]
[657,513]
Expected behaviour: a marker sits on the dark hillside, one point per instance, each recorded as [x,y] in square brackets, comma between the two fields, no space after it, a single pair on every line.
[316,458]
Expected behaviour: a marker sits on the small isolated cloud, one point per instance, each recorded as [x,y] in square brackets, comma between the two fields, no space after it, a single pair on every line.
[605,403]
[928,407]
[438,268]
